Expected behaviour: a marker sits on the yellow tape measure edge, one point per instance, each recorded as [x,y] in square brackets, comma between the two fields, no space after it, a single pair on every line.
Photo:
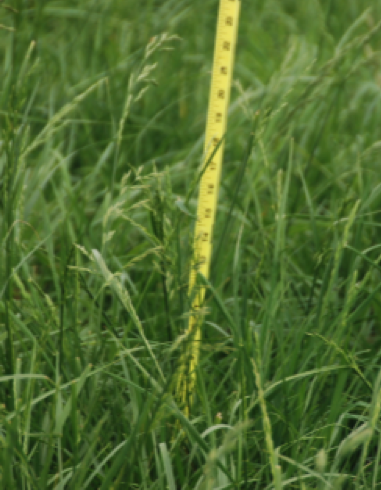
[223,62]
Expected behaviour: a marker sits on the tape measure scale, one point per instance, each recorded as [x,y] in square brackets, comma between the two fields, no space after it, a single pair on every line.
[225,43]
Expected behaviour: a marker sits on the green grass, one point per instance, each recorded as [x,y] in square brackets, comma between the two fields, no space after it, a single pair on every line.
[102,117]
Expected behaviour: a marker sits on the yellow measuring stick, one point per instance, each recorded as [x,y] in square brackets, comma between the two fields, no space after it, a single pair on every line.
[226,38]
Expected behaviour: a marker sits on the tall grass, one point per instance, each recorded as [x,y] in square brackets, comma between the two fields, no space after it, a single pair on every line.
[102,115]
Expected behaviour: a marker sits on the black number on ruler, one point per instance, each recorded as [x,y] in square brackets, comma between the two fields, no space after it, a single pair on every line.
[202,260]
[224,70]
[221,94]
[226,46]
[218,117]
[205,236]
[210,188]
[208,213]
[212,165]
[229,20]
[215,141]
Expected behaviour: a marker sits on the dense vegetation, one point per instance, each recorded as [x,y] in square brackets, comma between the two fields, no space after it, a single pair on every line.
[102,118]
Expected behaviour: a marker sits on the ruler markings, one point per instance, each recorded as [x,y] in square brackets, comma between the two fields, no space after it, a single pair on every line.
[223,61]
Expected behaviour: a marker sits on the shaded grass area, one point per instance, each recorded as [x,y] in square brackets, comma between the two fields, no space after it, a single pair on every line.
[102,116]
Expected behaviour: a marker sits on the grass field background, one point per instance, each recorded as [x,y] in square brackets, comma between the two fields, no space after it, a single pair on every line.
[102,119]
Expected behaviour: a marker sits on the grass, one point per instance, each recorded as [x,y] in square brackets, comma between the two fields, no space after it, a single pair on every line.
[102,116]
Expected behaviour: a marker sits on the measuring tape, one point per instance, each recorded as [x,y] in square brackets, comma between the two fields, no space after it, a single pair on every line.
[226,38]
